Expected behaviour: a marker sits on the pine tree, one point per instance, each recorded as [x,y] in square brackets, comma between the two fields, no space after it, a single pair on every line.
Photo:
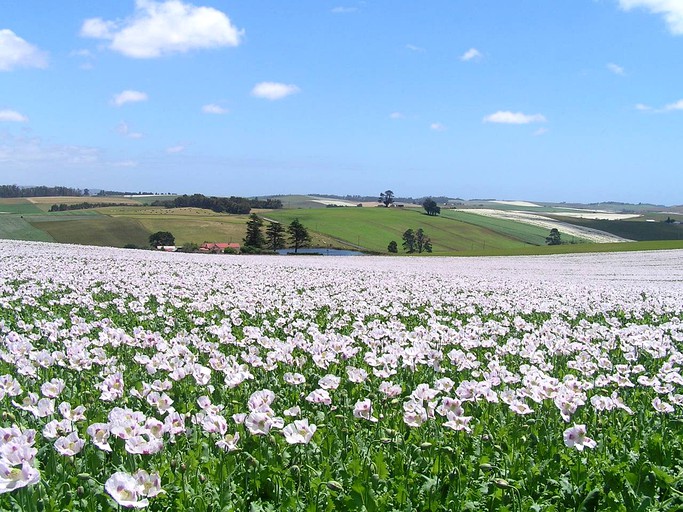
[275,236]
[254,237]
[298,235]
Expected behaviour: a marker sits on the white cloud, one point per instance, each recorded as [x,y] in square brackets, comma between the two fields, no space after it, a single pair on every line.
[12,116]
[274,90]
[674,106]
[396,115]
[128,96]
[437,127]
[344,10]
[616,69]
[672,10]
[642,107]
[414,48]
[507,117]
[212,108]
[540,131]
[124,130]
[162,28]
[175,149]
[471,54]
[24,152]
[17,53]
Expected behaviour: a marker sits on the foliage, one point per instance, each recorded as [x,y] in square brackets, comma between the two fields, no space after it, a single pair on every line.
[409,240]
[431,207]
[477,388]
[386,198]
[275,236]
[63,207]
[554,238]
[422,241]
[298,235]
[392,247]
[416,241]
[254,237]
[40,191]
[161,238]
[232,204]
[189,247]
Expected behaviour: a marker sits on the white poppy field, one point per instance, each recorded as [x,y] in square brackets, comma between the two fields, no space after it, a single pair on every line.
[136,379]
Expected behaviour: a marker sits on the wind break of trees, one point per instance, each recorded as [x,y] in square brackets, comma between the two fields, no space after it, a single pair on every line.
[275,237]
[7,191]
[232,204]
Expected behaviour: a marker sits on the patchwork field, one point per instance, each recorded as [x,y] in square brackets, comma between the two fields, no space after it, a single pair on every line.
[190,382]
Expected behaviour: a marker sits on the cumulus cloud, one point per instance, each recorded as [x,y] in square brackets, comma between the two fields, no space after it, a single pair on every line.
[396,115]
[671,10]
[507,117]
[642,107]
[616,69]
[437,127]
[274,90]
[17,53]
[12,116]
[175,149]
[212,108]
[128,96]
[163,28]
[471,54]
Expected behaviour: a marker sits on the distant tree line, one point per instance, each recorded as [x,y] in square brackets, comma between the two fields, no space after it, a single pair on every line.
[102,193]
[40,191]
[230,204]
[63,207]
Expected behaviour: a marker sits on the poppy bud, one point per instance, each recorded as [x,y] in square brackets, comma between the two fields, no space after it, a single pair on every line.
[335,486]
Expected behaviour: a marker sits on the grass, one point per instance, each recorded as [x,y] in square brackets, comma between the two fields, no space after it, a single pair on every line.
[638,230]
[15,227]
[186,224]
[18,205]
[96,230]
[373,228]
[652,245]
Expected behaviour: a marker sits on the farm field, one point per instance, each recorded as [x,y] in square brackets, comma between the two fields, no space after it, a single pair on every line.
[189,382]
[374,228]
[634,229]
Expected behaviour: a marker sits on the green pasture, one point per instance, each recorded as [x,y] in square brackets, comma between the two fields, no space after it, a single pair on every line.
[15,227]
[656,245]
[373,228]
[96,230]
[633,229]
[18,205]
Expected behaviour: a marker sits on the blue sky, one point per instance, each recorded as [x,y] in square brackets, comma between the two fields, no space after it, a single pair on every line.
[547,100]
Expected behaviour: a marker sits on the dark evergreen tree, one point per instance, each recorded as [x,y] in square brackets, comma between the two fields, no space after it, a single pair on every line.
[254,237]
[409,241]
[554,238]
[298,235]
[422,242]
[392,247]
[275,236]
[431,207]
